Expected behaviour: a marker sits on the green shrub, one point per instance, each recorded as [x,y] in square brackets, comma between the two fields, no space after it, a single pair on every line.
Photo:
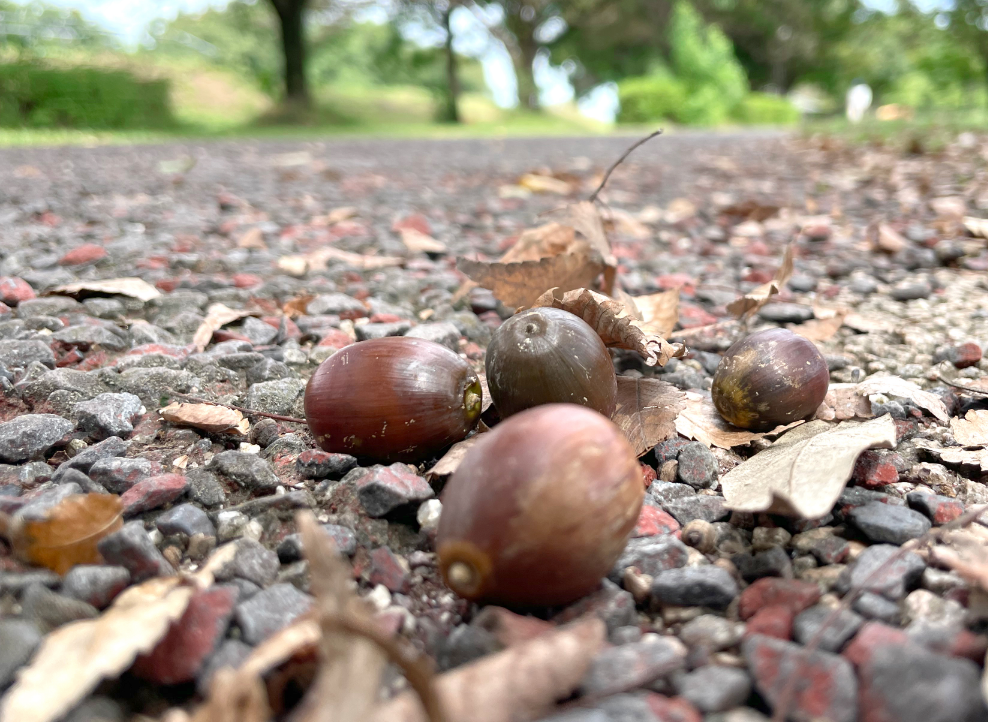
[39,96]
[766,109]
[653,97]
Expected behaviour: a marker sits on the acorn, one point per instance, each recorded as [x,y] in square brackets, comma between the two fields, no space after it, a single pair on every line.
[549,356]
[539,509]
[770,378]
[392,399]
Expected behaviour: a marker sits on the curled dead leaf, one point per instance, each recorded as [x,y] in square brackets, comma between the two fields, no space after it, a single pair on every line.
[132,287]
[68,533]
[972,430]
[843,402]
[804,471]
[660,311]
[418,242]
[612,321]
[538,183]
[750,302]
[252,238]
[903,389]
[699,420]
[451,459]
[954,454]
[209,418]
[646,411]
[217,316]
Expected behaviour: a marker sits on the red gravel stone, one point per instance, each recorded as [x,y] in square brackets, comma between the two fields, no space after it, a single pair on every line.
[386,569]
[13,290]
[86,253]
[152,493]
[335,339]
[872,471]
[246,280]
[648,473]
[291,328]
[967,354]
[653,521]
[793,594]
[672,709]
[669,281]
[385,318]
[871,636]
[189,641]
[772,621]
[416,222]
[691,316]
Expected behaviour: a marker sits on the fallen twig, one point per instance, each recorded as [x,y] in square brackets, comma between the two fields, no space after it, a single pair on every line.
[619,161]
[981,392]
[781,711]
[241,409]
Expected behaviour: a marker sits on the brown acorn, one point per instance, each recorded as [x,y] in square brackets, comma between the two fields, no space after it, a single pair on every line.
[392,399]
[770,378]
[539,509]
[549,356]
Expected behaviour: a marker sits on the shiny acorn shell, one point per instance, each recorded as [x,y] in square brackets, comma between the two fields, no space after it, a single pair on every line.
[539,509]
[549,356]
[770,378]
[392,399]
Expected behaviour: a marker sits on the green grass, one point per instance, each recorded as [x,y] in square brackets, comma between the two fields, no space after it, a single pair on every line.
[926,132]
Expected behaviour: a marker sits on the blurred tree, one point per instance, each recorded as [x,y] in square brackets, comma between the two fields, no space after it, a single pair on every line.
[969,24]
[39,29]
[290,19]
[437,13]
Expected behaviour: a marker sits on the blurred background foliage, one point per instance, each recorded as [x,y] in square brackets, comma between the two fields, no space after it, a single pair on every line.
[389,64]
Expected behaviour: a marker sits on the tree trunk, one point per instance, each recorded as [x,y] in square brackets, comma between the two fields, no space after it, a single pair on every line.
[528,91]
[451,112]
[290,14]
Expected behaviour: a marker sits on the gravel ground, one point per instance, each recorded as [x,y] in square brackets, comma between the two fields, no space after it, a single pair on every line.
[879,240]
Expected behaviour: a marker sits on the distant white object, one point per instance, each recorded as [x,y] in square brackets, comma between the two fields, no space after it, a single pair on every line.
[858,101]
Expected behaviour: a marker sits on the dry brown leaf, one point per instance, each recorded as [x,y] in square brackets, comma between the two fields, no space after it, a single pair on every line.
[867,324]
[451,459]
[295,307]
[520,284]
[818,329]
[972,430]
[549,239]
[585,219]
[545,184]
[750,302]
[209,418]
[252,238]
[234,696]
[628,225]
[903,389]
[977,227]
[337,215]
[318,260]
[954,454]
[646,411]
[804,472]
[966,552]
[133,287]
[611,319]
[75,658]
[418,242]
[660,311]
[68,533]
[519,684]
[843,402]
[217,316]
[889,240]
[700,421]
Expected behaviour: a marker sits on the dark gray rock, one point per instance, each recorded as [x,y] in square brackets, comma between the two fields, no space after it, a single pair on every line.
[444,333]
[85,385]
[185,519]
[290,548]
[86,336]
[713,688]
[836,633]
[276,397]
[45,499]
[910,290]
[651,555]
[205,489]
[88,485]
[336,304]
[132,548]
[20,354]
[632,665]
[269,611]
[118,473]
[252,561]
[786,312]
[259,333]
[109,415]
[368,331]
[154,386]
[701,506]
[876,571]
[382,489]
[874,606]
[30,436]
[84,460]
[466,643]
[18,640]
[248,470]
[697,466]
[49,306]
[320,465]
[16,582]
[611,604]
[706,586]
[50,610]
[95,584]
[231,653]
[886,523]
[267,370]
[773,562]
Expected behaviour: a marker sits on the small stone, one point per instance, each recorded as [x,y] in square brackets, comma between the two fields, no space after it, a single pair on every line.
[185,519]
[877,572]
[668,450]
[30,436]
[259,333]
[620,667]
[13,290]
[109,415]
[49,610]
[265,369]
[231,524]
[697,466]
[389,570]
[368,331]
[248,470]
[653,521]
[829,549]
[615,606]
[962,356]
[714,689]
[712,632]
[906,683]
[772,562]
[886,523]
[937,508]
[764,538]
[84,254]
[315,464]
[269,611]
[85,459]
[205,489]
[290,548]
[428,515]
[95,584]
[336,304]
[924,605]
[772,621]
[131,547]
[827,688]
[444,333]
[910,290]
[16,582]
[662,492]
[153,493]
[651,555]
[97,709]
[231,653]
[863,285]
[180,655]
[836,631]
[86,336]
[707,586]
[118,474]
[252,561]
[18,640]
[792,594]
[21,354]
[875,606]
[874,471]
[625,635]
[275,397]
[383,489]
[707,508]
[786,312]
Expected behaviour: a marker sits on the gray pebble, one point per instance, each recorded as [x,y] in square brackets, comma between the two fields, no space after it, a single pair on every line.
[18,640]
[886,523]
[95,584]
[109,414]
[714,688]
[444,333]
[30,436]
[185,519]
[131,547]
[706,586]
[247,470]
[837,632]
[269,611]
